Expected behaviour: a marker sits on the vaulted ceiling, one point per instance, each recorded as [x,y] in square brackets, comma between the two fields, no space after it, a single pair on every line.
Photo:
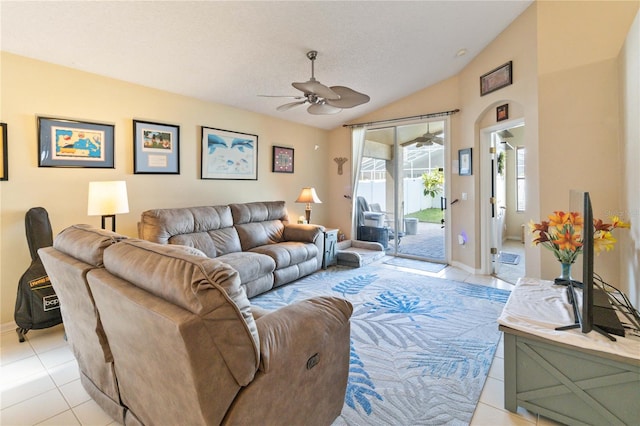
[230,52]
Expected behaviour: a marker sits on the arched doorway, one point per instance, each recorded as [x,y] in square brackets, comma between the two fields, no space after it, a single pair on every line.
[503,195]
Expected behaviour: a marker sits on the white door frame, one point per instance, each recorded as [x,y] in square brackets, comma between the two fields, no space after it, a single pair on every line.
[485,190]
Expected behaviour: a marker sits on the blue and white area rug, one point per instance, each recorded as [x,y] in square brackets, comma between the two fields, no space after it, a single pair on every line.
[421,347]
[416,264]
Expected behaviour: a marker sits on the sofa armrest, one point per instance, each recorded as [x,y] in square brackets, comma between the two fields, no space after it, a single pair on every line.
[302,232]
[304,367]
[299,330]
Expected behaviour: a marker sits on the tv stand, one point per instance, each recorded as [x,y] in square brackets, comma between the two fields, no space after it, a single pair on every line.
[568,376]
[571,292]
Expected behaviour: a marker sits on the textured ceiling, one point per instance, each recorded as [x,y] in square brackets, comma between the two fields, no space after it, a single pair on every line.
[230,52]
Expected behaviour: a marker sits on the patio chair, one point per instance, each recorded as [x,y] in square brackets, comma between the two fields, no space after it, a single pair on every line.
[372,226]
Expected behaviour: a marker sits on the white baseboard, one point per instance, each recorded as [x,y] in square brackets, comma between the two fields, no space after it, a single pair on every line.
[8,327]
[465,268]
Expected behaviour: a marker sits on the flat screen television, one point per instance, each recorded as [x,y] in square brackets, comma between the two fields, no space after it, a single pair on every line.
[595,313]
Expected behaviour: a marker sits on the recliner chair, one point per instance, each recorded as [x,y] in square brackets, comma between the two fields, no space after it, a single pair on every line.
[76,251]
[188,349]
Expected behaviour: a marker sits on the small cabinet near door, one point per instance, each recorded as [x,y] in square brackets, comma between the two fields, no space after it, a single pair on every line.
[330,241]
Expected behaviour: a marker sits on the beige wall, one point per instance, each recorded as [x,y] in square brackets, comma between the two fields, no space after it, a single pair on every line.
[31,88]
[574,86]
[579,139]
[629,243]
[462,91]
[566,88]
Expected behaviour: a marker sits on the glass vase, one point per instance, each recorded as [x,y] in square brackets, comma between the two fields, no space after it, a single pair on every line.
[565,272]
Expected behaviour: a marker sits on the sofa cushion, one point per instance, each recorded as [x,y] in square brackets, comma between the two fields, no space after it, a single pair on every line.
[207,228]
[250,266]
[288,253]
[86,243]
[260,233]
[206,287]
[259,223]
[259,212]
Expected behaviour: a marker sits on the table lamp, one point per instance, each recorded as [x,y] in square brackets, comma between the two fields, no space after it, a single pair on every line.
[107,199]
[308,195]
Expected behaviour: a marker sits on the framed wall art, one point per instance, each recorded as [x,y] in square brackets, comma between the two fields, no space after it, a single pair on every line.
[4,160]
[464,162]
[156,148]
[502,112]
[229,155]
[282,160]
[496,79]
[72,143]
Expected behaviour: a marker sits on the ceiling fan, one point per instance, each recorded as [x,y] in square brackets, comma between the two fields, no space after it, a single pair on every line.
[323,99]
[427,139]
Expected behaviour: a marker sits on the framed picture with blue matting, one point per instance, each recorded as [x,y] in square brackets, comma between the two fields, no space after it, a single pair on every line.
[156,148]
[75,143]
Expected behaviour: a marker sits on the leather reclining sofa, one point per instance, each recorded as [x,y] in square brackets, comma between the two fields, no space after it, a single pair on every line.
[165,335]
[256,239]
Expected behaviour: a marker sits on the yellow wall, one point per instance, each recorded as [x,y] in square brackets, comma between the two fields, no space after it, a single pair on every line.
[566,61]
[462,92]
[573,86]
[31,88]
[629,243]
[579,112]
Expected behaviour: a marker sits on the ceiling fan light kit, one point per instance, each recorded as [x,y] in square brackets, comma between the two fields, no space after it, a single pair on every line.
[323,99]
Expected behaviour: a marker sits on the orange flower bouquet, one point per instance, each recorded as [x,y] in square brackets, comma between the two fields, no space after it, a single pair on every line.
[562,234]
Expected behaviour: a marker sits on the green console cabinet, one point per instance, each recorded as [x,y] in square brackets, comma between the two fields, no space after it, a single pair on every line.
[567,376]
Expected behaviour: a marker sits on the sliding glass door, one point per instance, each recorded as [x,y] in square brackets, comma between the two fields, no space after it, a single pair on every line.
[402,176]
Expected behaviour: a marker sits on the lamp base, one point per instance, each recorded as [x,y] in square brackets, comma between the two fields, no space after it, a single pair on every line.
[113,221]
[307,214]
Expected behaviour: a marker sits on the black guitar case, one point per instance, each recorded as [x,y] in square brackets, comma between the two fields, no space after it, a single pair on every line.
[37,305]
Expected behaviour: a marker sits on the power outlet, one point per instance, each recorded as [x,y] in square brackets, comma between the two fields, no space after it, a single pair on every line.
[464,196]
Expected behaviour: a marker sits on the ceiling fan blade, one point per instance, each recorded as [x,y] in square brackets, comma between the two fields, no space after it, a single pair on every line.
[318,89]
[348,97]
[421,139]
[290,105]
[322,108]
[282,96]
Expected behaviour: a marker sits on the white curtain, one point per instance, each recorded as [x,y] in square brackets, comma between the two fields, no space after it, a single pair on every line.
[357,148]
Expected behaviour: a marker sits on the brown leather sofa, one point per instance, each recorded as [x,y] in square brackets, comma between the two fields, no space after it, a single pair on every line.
[256,239]
[187,347]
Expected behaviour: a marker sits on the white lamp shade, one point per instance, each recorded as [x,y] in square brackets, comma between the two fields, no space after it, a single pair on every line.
[107,198]
[308,195]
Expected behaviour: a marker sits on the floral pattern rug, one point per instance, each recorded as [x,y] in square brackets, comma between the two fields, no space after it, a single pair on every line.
[421,347]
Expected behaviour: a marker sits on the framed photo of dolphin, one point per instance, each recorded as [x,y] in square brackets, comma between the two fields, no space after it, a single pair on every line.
[229,155]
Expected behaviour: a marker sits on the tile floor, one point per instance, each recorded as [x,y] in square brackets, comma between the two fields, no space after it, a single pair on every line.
[40,383]
[511,273]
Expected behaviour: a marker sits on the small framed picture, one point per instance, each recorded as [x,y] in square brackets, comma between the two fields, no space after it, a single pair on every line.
[496,79]
[229,155]
[502,112]
[156,148]
[73,143]
[4,161]
[282,160]
[464,162]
